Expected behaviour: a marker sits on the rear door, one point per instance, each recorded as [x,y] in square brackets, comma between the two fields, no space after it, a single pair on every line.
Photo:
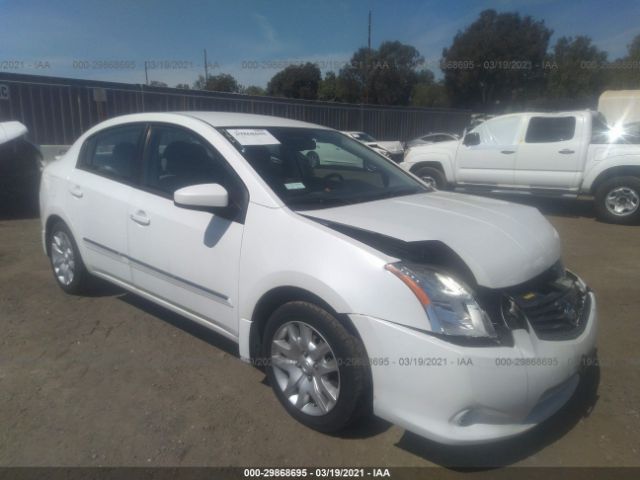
[493,161]
[189,258]
[549,156]
[99,190]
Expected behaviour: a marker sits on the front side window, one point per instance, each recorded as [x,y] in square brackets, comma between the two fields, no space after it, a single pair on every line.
[315,168]
[499,131]
[550,129]
[114,152]
[177,158]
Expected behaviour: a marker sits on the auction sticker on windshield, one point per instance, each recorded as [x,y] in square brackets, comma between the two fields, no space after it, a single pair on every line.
[253,136]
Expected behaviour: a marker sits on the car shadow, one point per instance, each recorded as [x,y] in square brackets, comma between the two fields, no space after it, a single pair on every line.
[189,326]
[367,426]
[509,451]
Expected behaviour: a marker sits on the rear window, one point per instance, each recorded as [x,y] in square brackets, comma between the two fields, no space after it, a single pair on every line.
[550,129]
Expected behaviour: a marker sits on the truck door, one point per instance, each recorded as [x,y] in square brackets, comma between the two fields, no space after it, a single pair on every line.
[549,155]
[493,160]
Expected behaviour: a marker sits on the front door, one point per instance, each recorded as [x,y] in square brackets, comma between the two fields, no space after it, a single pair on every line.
[492,161]
[186,257]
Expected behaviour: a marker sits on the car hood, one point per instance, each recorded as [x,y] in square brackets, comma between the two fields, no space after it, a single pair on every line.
[503,244]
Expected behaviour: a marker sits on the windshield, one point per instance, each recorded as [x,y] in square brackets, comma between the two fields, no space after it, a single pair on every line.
[314,168]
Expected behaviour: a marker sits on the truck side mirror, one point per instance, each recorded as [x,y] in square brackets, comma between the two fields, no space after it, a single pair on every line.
[471,139]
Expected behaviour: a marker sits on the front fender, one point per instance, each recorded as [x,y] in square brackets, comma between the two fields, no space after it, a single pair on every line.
[445,159]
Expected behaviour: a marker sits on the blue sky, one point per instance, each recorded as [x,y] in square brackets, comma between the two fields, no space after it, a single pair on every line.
[253,39]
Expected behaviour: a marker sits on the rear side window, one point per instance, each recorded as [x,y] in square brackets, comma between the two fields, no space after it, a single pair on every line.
[114,152]
[550,129]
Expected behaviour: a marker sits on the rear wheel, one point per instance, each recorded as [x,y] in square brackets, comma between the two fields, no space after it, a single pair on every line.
[618,200]
[316,367]
[66,263]
[432,177]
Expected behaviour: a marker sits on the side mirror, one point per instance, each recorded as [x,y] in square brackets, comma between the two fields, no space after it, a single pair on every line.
[471,139]
[205,195]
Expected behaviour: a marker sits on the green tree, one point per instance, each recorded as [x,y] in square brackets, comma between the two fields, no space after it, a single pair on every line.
[156,83]
[384,76]
[218,83]
[296,81]
[575,71]
[624,73]
[496,59]
[183,86]
[328,89]
[253,90]
[427,92]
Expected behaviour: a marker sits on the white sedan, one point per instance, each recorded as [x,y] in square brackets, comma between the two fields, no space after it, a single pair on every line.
[356,286]
[392,149]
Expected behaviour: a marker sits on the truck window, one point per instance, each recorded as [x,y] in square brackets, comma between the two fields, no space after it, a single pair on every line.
[499,131]
[550,129]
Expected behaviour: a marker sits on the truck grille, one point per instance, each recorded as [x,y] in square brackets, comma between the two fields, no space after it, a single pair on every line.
[556,310]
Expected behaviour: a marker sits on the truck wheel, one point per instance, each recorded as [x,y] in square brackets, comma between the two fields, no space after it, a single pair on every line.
[316,368]
[432,177]
[618,200]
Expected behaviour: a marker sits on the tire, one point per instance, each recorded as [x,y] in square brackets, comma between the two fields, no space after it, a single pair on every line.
[345,359]
[617,200]
[66,263]
[432,176]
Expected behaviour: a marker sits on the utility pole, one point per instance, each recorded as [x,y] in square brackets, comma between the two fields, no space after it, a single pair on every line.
[368,63]
[369,38]
[206,68]
[146,74]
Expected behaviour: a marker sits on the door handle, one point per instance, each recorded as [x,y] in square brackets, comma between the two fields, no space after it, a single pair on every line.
[566,151]
[76,191]
[507,152]
[140,217]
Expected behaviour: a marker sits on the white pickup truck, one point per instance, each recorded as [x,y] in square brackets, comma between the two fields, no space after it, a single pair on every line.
[566,154]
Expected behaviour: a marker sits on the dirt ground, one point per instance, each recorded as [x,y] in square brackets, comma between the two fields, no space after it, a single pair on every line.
[113,380]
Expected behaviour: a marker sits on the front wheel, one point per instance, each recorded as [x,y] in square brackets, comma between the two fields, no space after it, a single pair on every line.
[316,367]
[432,177]
[618,200]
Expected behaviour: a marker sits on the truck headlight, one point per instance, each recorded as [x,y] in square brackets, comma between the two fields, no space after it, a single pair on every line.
[449,304]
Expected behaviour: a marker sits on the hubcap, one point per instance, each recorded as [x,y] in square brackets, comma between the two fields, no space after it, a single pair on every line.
[429,181]
[622,201]
[62,257]
[305,368]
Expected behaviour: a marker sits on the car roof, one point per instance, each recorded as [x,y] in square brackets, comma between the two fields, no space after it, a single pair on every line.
[215,119]
[232,119]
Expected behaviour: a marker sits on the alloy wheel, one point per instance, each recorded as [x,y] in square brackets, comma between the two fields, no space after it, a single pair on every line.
[622,201]
[63,258]
[305,368]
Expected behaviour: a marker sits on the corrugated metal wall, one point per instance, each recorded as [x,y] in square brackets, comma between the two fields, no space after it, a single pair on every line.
[58,110]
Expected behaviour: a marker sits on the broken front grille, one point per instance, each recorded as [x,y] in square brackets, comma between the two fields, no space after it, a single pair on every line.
[556,310]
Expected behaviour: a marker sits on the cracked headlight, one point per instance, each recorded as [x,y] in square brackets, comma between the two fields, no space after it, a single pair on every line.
[449,304]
